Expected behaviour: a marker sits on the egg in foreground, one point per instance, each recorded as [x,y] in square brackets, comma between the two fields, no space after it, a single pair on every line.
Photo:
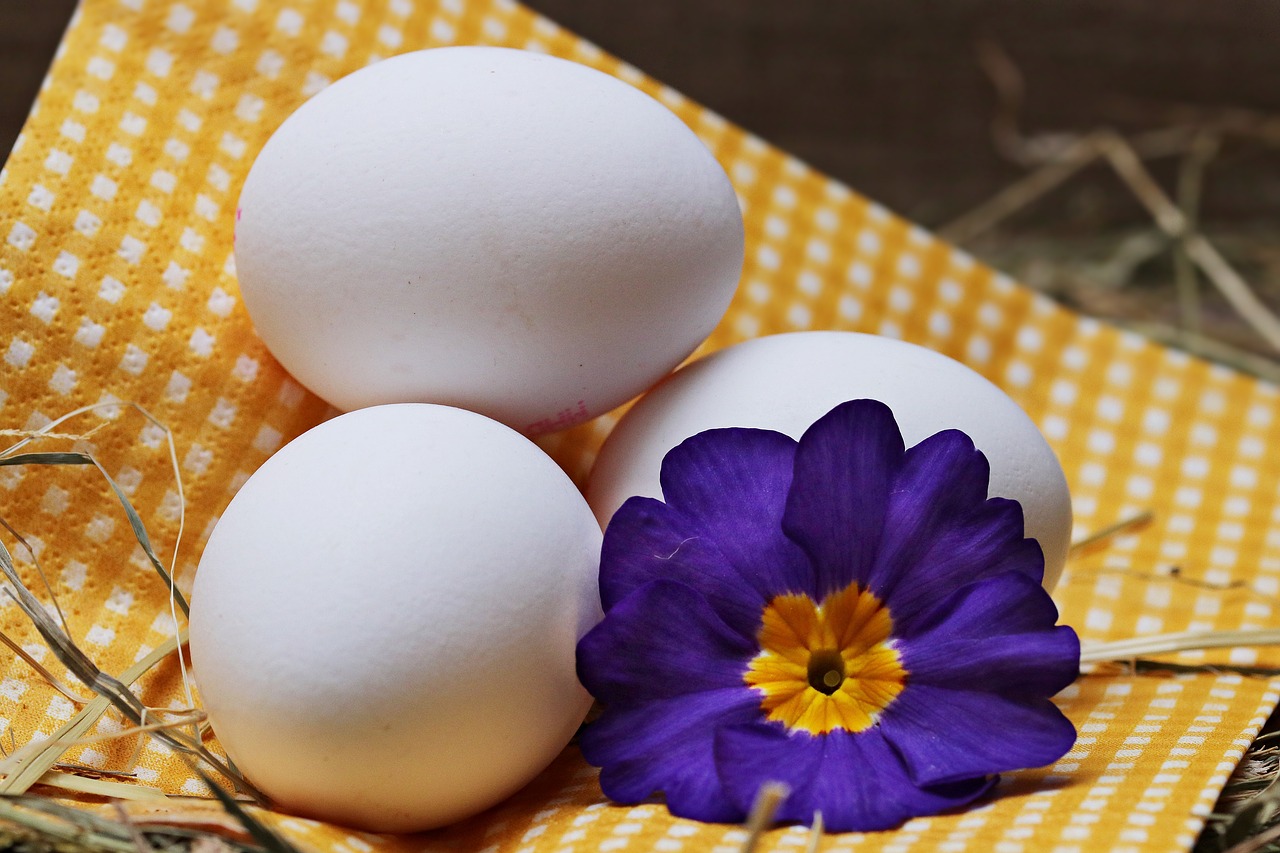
[384,619]
[494,229]
[786,382]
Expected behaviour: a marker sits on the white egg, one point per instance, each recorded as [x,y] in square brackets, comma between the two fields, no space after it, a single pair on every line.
[494,229]
[384,620]
[786,382]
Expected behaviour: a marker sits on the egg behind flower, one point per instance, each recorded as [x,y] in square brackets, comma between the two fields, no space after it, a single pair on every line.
[384,619]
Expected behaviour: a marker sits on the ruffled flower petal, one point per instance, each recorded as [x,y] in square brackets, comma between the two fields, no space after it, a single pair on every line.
[735,483]
[986,667]
[984,542]
[941,480]
[668,746]
[669,671]
[946,735]
[845,466]
[661,641]
[719,529]
[998,636]
[647,541]
[856,781]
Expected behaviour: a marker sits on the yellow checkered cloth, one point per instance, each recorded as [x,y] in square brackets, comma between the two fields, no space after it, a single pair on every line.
[117,284]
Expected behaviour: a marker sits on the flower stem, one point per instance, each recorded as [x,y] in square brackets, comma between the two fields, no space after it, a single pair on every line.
[1182,641]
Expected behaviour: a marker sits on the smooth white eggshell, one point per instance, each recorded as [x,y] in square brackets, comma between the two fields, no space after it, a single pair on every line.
[384,620]
[495,229]
[786,382]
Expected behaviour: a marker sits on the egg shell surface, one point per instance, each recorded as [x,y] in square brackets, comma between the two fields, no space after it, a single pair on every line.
[495,229]
[786,382]
[384,620]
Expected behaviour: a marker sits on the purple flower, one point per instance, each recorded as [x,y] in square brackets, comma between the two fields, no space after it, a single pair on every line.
[841,614]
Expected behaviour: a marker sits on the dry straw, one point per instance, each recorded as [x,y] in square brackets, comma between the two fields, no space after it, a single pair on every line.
[39,823]
[1192,136]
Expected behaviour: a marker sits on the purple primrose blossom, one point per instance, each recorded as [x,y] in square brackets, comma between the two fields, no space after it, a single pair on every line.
[842,614]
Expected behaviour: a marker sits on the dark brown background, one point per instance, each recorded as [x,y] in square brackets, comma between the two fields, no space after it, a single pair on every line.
[885,94]
[888,95]
[29,33]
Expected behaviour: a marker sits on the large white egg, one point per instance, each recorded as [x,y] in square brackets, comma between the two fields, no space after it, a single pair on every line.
[384,620]
[494,229]
[786,382]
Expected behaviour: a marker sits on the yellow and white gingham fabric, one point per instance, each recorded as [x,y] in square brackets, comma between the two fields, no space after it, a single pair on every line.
[117,284]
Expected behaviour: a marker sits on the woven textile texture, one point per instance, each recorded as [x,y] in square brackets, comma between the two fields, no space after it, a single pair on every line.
[117,284]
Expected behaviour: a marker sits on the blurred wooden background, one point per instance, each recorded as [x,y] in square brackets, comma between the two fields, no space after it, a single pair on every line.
[891,97]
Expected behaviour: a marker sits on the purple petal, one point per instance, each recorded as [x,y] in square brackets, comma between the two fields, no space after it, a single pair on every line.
[942,478]
[1011,603]
[845,466]
[946,735]
[668,746]
[982,543]
[735,483]
[997,636]
[857,781]
[663,640]
[719,531]
[647,541]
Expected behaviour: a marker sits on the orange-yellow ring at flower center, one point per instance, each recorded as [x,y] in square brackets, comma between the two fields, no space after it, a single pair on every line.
[829,665]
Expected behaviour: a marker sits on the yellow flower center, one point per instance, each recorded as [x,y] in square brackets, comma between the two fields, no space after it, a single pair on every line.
[826,666]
